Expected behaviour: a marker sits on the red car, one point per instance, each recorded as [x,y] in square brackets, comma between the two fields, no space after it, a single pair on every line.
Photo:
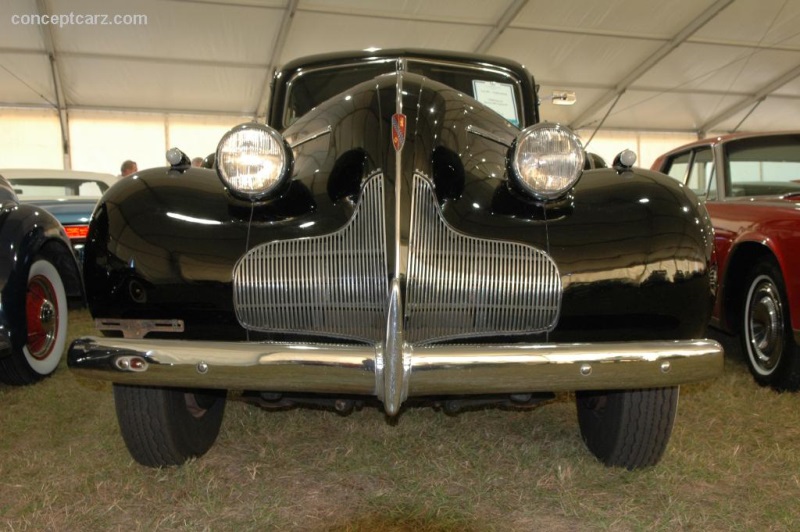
[751,187]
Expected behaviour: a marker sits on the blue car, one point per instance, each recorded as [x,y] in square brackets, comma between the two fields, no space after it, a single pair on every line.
[68,195]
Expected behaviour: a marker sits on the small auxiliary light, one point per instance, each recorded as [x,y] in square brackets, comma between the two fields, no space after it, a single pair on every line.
[561,97]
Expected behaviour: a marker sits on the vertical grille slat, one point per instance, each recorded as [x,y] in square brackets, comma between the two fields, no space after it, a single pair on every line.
[462,286]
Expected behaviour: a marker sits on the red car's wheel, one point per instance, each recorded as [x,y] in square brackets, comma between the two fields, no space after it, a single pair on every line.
[767,338]
[46,328]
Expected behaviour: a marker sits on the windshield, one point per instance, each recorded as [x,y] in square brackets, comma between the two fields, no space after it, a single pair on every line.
[494,88]
[764,166]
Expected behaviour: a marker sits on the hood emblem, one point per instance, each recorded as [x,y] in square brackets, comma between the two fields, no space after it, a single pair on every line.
[398,131]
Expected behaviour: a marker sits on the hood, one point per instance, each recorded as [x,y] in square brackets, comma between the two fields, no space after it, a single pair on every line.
[784,201]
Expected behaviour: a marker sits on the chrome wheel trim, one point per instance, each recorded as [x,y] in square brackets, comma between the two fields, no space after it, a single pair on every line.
[42,317]
[764,325]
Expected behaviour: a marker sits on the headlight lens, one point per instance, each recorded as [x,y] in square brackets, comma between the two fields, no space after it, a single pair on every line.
[547,160]
[253,160]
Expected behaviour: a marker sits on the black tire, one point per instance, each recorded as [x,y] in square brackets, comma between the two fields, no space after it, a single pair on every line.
[167,426]
[766,331]
[627,428]
[45,327]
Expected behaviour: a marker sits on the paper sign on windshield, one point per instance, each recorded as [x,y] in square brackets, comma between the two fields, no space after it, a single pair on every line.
[499,97]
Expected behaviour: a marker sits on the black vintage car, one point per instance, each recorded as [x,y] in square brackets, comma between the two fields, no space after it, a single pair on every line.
[39,281]
[403,228]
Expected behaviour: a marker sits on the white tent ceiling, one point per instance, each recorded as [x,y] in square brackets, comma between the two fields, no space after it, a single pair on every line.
[645,65]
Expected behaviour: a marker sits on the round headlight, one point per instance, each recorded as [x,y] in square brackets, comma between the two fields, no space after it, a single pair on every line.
[253,160]
[547,160]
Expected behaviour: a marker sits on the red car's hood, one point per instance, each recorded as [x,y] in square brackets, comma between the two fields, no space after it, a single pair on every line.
[788,201]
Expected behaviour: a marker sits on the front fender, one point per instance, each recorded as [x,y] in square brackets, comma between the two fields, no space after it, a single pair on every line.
[163,238]
[636,251]
[779,239]
[27,232]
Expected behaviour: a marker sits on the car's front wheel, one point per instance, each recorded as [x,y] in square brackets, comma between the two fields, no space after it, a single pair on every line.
[627,428]
[45,327]
[767,338]
[167,426]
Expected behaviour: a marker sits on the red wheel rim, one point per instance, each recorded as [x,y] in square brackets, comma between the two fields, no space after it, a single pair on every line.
[41,310]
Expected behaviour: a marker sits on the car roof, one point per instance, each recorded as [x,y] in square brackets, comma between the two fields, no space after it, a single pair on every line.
[720,139]
[49,173]
[716,140]
[410,53]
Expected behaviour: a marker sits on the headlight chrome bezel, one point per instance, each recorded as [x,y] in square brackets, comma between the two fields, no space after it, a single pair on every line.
[535,148]
[244,149]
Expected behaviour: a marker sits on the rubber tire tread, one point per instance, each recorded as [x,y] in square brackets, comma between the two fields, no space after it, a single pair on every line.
[159,429]
[628,428]
[786,377]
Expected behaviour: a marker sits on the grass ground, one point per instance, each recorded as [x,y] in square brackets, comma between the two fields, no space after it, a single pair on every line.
[732,463]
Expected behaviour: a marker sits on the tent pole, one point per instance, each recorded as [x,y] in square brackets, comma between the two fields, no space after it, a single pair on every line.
[61,106]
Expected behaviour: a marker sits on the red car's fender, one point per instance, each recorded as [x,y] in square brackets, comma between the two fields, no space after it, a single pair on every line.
[738,226]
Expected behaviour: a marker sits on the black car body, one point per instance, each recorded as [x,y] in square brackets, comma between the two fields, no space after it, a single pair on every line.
[39,281]
[399,255]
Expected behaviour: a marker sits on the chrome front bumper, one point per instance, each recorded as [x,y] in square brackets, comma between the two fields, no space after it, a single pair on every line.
[396,374]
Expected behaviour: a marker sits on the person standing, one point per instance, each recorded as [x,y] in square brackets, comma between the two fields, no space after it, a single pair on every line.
[128,167]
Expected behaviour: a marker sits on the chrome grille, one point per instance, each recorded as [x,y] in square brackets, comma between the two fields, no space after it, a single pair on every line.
[457,286]
[460,286]
[333,285]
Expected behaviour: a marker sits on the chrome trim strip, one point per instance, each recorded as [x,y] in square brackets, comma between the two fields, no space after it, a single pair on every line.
[398,244]
[433,370]
[311,136]
[393,384]
[475,130]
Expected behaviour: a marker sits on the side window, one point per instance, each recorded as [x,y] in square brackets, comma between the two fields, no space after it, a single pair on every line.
[763,165]
[677,166]
[695,169]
